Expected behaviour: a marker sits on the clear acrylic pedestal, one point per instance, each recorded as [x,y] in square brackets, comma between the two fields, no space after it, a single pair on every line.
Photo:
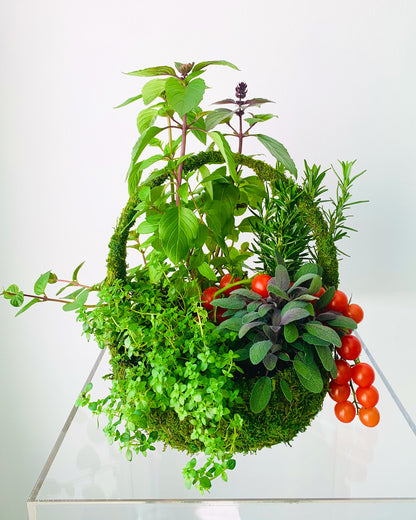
[332,471]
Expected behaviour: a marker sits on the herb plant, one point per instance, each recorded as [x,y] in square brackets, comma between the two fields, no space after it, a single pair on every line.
[218,369]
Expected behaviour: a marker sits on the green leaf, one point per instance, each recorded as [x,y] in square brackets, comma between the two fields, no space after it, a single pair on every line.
[128,101]
[250,316]
[178,228]
[13,290]
[313,340]
[76,271]
[207,271]
[300,281]
[77,303]
[145,119]
[183,98]
[325,298]
[259,350]
[18,299]
[343,322]
[246,293]
[321,331]
[314,384]
[282,277]
[226,152]
[279,152]
[27,306]
[232,324]
[326,357]
[205,482]
[260,394]
[294,314]
[220,115]
[129,455]
[201,134]
[308,268]
[285,389]
[204,64]
[270,361]
[153,71]
[229,303]
[41,283]
[152,89]
[204,171]
[301,369]
[290,332]
[278,292]
[140,145]
[248,326]
[231,464]
[315,285]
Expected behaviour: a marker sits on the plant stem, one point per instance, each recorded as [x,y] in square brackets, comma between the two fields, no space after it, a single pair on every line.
[240,133]
[72,282]
[171,155]
[180,168]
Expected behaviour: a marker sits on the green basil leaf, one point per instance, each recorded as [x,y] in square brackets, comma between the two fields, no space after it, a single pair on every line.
[279,152]
[41,283]
[178,228]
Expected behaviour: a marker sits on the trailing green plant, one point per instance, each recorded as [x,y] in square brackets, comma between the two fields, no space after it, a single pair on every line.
[179,375]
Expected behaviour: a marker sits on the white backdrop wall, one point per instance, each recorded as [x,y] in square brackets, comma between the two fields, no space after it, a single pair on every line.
[343,78]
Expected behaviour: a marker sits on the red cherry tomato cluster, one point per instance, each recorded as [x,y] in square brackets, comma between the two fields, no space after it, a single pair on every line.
[209,294]
[365,395]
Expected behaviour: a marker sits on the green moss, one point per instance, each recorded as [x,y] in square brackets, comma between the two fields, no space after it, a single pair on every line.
[281,420]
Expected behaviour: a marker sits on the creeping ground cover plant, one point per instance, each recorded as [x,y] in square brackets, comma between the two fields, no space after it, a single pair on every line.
[225,325]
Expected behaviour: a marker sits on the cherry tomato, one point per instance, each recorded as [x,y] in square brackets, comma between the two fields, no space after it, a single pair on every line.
[350,347]
[363,374]
[345,412]
[259,284]
[208,296]
[367,396]
[343,372]
[369,416]
[226,280]
[339,393]
[319,293]
[355,312]
[339,302]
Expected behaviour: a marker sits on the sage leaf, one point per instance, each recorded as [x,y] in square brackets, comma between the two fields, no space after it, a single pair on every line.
[290,332]
[321,331]
[248,326]
[282,277]
[229,303]
[325,298]
[286,389]
[259,350]
[301,369]
[260,394]
[270,361]
[326,357]
[294,315]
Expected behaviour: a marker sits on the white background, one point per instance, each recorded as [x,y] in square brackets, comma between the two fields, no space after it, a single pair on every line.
[343,78]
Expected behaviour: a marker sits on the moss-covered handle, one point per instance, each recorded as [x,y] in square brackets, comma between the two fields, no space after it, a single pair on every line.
[326,250]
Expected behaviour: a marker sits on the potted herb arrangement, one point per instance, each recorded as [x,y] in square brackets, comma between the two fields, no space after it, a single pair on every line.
[227,329]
